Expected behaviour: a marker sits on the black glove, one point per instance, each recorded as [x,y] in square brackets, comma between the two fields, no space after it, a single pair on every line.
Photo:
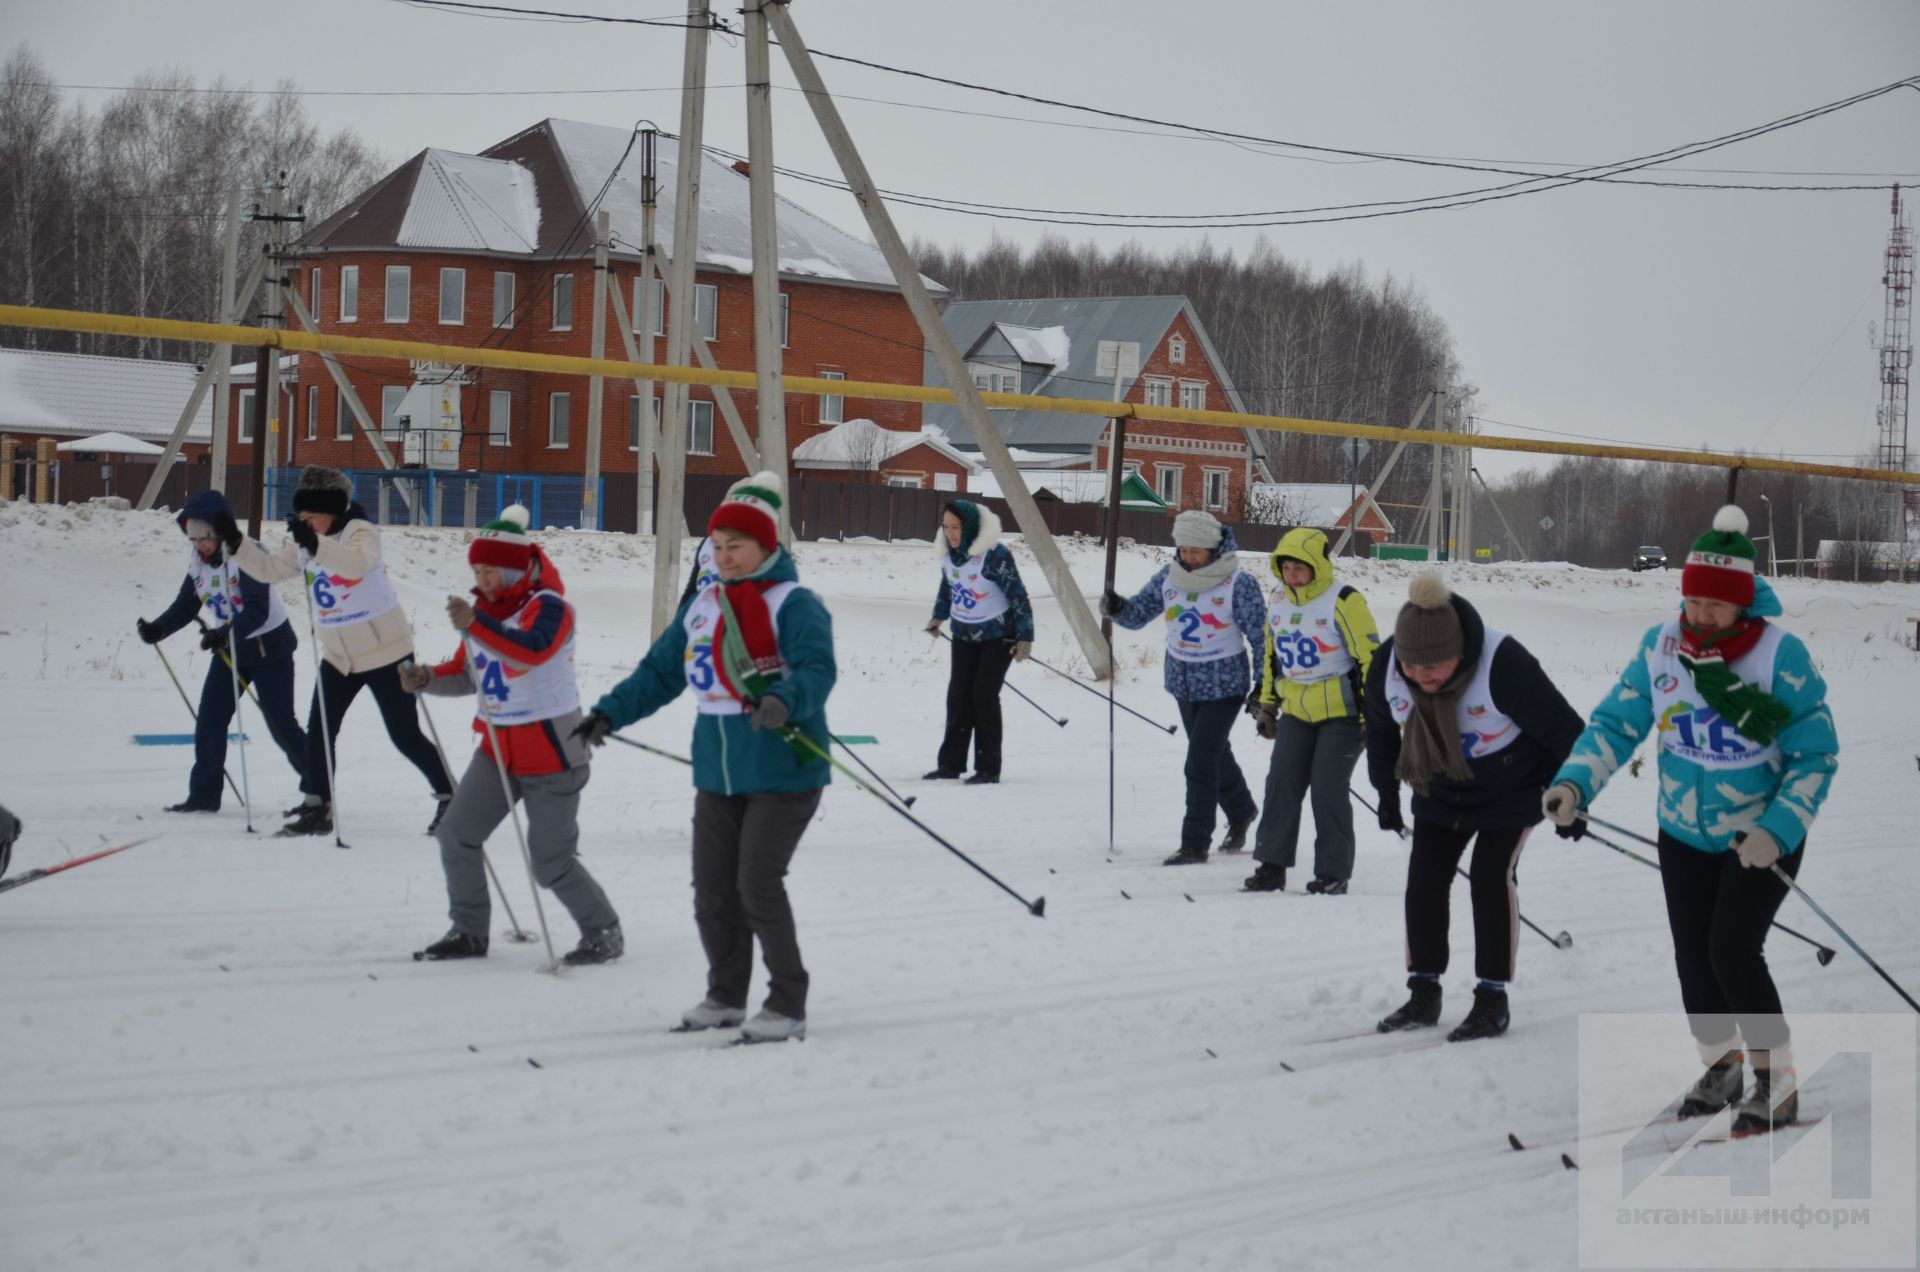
[593,728]
[1252,704]
[1390,819]
[1578,830]
[303,534]
[149,632]
[768,713]
[213,638]
[1111,603]
[227,529]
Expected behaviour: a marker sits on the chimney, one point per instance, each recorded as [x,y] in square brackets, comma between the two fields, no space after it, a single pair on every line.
[740,166]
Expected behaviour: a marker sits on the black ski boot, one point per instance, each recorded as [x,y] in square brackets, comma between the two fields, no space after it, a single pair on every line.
[439,812]
[602,945]
[314,819]
[1321,886]
[1773,1102]
[1421,1009]
[192,806]
[1721,1085]
[1487,1018]
[983,779]
[1266,878]
[1236,839]
[1187,857]
[940,775]
[453,945]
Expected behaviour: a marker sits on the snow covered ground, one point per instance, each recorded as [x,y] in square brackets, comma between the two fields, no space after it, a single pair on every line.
[215,1051]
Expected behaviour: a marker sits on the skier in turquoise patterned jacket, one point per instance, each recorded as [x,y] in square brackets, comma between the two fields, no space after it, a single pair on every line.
[1747,752]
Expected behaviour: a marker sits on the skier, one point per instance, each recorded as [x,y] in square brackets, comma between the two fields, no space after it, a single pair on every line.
[1747,754]
[757,652]
[1465,716]
[1319,648]
[519,630]
[263,638]
[1215,613]
[981,591]
[364,634]
[10,828]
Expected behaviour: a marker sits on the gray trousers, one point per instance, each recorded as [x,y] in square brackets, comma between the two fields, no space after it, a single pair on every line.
[552,803]
[1316,758]
[741,847]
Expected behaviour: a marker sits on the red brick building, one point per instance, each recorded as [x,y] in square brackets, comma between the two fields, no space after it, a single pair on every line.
[1050,348]
[496,250]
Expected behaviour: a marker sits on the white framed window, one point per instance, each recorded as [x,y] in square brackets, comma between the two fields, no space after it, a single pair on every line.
[946,481]
[1193,395]
[243,427]
[1166,482]
[902,481]
[633,420]
[1130,467]
[786,324]
[1177,351]
[313,292]
[399,293]
[1216,481]
[1007,382]
[983,379]
[1159,391]
[349,293]
[342,417]
[706,309]
[499,416]
[559,421]
[453,297]
[391,395]
[313,412]
[563,302]
[699,428]
[833,410]
[502,298]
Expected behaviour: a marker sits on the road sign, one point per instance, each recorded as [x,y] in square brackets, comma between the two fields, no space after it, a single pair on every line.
[1355,449]
[1118,357]
[1546,523]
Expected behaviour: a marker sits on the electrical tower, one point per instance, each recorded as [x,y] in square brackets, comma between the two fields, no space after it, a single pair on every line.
[1896,361]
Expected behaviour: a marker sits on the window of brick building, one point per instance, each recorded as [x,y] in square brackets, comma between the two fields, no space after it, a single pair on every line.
[833,410]
[559,411]
[699,428]
[502,299]
[391,395]
[1217,480]
[313,412]
[243,427]
[453,297]
[499,416]
[349,293]
[399,293]
[1159,392]
[563,302]
[1193,395]
[1177,351]
[342,417]
[1167,483]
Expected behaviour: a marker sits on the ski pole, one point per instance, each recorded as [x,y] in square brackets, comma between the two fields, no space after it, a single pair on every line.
[906,802]
[1812,905]
[31,875]
[196,719]
[1560,942]
[320,705]
[1036,907]
[1821,952]
[513,811]
[652,750]
[1075,680]
[1059,720]
[232,657]
[251,693]
[514,931]
[1113,674]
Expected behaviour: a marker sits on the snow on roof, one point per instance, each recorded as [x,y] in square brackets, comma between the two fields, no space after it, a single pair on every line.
[862,444]
[1321,504]
[114,443]
[83,394]
[1072,487]
[1044,346]
[465,201]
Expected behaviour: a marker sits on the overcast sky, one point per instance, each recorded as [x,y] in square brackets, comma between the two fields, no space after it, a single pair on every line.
[1665,317]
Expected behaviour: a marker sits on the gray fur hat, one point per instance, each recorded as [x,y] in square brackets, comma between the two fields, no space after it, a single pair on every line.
[323,489]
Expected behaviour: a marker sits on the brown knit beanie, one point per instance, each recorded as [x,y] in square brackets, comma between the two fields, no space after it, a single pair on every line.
[1427,632]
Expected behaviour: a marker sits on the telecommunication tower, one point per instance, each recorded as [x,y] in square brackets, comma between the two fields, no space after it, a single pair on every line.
[1896,358]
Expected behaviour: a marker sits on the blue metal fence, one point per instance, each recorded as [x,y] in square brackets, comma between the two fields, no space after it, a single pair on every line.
[426,497]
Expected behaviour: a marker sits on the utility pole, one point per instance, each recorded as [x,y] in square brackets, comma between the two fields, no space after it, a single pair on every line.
[769,391]
[688,160]
[1433,478]
[223,353]
[201,384]
[596,383]
[645,319]
[266,377]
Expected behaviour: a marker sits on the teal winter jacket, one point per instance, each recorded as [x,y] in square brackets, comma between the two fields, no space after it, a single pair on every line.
[730,756]
[1702,807]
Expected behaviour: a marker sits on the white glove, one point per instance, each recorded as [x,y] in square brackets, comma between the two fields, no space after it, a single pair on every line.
[1561,803]
[1757,849]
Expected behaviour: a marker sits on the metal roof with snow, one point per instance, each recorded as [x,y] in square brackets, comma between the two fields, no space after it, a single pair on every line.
[862,444]
[84,394]
[1320,504]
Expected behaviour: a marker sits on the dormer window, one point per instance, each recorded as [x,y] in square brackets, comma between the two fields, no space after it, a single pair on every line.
[1177,351]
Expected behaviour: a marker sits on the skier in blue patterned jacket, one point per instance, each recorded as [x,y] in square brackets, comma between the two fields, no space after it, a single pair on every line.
[1747,752]
[1215,613]
[981,592]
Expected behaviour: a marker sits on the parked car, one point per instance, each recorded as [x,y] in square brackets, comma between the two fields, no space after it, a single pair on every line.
[1649,557]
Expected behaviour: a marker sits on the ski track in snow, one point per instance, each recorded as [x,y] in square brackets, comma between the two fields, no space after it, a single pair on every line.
[219,1053]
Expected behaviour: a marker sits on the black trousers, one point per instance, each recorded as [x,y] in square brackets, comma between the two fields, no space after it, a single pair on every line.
[1214,779]
[979,668]
[742,846]
[1720,913]
[1496,899]
[397,711]
[273,682]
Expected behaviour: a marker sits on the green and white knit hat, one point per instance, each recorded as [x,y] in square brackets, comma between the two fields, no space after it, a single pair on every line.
[504,541]
[752,508]
[1720,563]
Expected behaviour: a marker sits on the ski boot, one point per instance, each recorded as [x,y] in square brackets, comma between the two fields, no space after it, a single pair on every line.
[983,779]
[455,944]
[314,819]
[940,775]
[1487,1018]
[1421,1009]
[1773,1102]
[708,1014]
[602,945]
[192,806]
[439,812]
[1722,1084]
[1236,839]
[1187,857]
[1321,886]
[769,1025]
[1266,878]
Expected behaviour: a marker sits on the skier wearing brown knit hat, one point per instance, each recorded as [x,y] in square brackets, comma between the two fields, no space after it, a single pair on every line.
[1465,716]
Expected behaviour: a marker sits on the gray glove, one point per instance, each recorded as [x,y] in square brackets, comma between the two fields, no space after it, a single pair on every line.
[414,678]
[768,713]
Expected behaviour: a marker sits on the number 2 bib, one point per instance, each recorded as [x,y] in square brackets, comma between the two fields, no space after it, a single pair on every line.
[1200,625]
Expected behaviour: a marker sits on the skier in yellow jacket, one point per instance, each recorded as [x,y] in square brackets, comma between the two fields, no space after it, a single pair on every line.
[1320,644]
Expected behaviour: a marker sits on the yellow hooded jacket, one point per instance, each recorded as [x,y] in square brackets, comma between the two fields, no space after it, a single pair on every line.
[1336,697]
